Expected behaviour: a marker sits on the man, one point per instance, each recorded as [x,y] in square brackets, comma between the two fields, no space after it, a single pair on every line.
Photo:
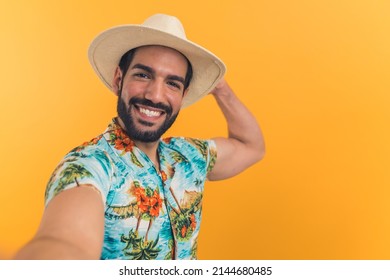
[128,194]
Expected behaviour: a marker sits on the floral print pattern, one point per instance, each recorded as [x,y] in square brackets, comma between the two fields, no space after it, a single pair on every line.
[149,213]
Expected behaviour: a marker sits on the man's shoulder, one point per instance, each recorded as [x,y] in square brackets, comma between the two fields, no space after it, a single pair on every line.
[92,149]
[189,145]
[175,141]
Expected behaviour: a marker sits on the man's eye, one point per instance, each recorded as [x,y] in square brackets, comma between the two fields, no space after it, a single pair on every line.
[141,75]
[173,84]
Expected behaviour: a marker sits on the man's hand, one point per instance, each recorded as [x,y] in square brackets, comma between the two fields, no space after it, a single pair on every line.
[222,88]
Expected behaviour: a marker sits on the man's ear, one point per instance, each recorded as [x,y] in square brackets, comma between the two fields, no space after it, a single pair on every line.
[117,81]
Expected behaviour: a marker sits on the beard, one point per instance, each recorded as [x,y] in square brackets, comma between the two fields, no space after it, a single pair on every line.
[136,134]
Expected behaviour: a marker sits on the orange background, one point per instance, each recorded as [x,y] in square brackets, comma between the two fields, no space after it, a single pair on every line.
[315,74]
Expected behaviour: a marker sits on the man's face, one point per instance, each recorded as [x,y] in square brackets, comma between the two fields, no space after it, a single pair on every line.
[151,93]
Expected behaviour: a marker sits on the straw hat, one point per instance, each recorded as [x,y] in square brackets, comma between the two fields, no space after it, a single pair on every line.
[108,47]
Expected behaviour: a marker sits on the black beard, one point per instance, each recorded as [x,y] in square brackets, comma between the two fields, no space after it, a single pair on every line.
[128,121]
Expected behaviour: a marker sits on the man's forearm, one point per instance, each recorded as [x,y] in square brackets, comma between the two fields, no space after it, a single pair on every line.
[242,125]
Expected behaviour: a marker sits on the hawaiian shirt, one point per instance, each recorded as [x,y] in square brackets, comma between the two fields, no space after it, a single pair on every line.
[149,213]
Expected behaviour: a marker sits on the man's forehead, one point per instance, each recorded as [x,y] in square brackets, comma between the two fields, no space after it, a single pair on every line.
[157,58]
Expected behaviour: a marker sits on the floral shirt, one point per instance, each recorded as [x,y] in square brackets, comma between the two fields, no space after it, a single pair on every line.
[149,214]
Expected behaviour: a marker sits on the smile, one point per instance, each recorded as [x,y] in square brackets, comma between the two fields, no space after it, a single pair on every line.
[149,112]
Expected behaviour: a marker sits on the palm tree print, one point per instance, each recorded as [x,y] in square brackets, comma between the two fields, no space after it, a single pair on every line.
[74,157]
[213,158]
[200,145]
[71,174]
[144,250]
[138,248]
[177,157]
[194,250]
[132,240]
[74,171]
[94,141]
[171,254]
[203,147]
[146,207]
[122,212]
[184,220]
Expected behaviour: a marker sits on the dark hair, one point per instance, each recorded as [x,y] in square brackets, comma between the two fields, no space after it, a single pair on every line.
[127,58]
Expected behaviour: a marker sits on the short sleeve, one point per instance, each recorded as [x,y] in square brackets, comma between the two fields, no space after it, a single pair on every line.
[206,151]
[91,167]
[212,155]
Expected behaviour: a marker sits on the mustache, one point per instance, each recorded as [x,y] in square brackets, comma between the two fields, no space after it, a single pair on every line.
[146,102]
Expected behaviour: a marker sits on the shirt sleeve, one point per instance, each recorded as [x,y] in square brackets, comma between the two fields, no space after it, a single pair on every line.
[212,155]
[206,152]
[78,168]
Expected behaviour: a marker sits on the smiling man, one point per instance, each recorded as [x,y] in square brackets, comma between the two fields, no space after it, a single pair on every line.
[151,93]
[128,193]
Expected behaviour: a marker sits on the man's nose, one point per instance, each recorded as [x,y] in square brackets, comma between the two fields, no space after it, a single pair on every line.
[155,91]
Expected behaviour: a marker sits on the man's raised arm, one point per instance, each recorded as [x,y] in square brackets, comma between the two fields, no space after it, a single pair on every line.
[245,143]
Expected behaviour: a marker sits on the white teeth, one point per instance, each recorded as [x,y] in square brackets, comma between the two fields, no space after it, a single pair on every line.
[150,113]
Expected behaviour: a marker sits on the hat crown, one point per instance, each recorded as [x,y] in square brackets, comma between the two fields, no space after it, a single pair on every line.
[166,23]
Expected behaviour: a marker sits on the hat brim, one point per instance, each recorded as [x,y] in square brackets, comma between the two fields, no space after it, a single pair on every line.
[108,47]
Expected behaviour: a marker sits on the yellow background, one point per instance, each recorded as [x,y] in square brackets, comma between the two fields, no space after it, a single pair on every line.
[315,73]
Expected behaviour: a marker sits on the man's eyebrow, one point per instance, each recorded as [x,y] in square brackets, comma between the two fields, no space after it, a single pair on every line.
[143,67]
[151,71]
[176,78]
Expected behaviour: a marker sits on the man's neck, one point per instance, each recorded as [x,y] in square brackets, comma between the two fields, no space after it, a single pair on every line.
[149,148]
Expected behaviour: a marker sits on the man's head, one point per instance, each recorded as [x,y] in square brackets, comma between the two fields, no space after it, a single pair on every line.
[151,82]
[127,58]
[108,47]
